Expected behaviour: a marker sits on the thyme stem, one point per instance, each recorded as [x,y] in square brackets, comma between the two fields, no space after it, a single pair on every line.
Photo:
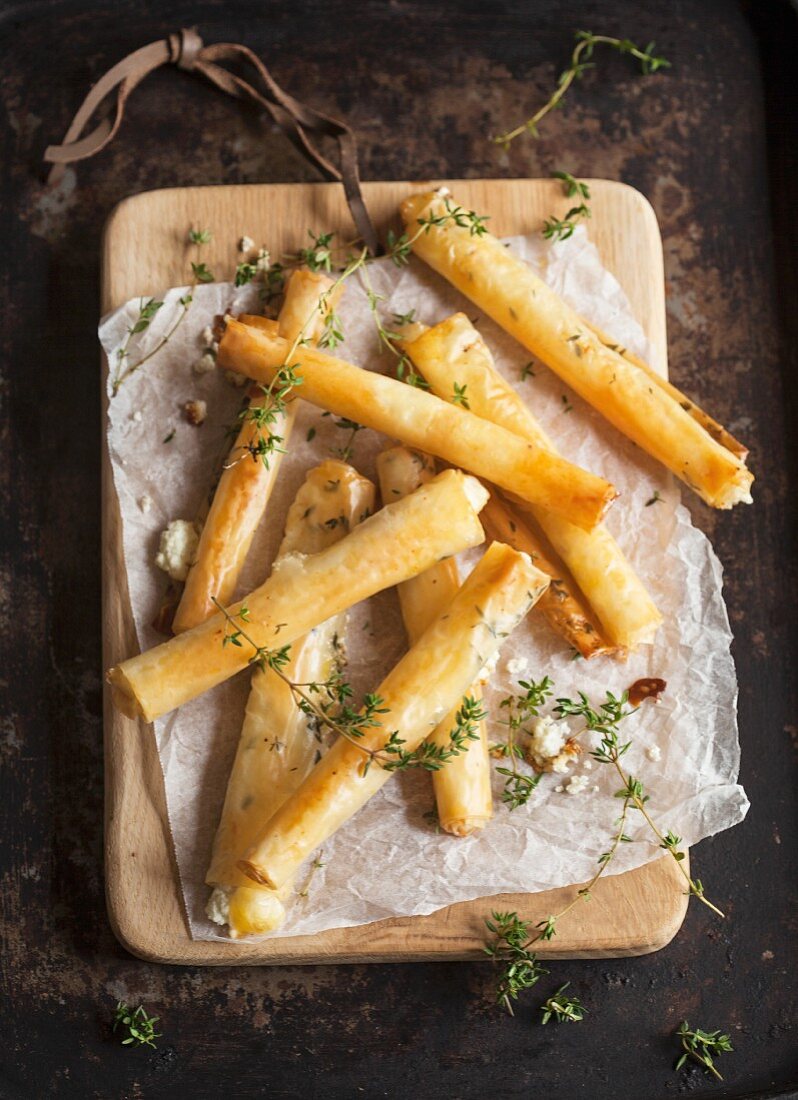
[694,887]
[585,43]
[351,725]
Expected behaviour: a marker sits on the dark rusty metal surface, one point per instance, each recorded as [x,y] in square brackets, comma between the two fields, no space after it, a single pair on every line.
[423,85]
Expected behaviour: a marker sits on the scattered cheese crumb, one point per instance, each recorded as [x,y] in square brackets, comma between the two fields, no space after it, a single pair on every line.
[518,666]
[246,244]
[207,337]
[588,765]
[205,363]
[263,262]
[576,784]
[195,411]
[145,503]
[234,379]
[136,416]
[177,549]
[654,752]
[559,788]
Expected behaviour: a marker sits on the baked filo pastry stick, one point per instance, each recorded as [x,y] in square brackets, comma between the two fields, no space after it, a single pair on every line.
[279,742]
[659,419]
[453,352]
[401,540]
[462,786]
[423,421]
[426,684]
[247,481]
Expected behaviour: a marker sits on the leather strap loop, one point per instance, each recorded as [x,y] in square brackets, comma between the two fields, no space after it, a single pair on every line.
[186,50]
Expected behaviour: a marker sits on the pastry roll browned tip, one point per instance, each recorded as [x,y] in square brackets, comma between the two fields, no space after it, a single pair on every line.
[562,604]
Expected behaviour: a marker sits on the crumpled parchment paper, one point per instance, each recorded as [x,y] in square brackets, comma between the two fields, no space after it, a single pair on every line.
[388,860]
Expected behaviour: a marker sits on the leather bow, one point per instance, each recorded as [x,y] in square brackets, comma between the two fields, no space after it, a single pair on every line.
[187,50]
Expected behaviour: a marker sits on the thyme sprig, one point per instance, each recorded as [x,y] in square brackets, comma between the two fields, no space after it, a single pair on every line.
[521,968]
[580,63]
[264,412]
[562,1008]
[514,942]
[390,339]
[137,1026]
[339,716]
[148,308]
[702,1046]
[401,246]
[430,755]
[519,786]
[345,451]
[610,750]
[315,866]
[560,229]
[319,256]
[459,396]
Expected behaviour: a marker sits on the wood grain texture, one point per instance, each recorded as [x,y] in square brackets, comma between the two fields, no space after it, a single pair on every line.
[143,253]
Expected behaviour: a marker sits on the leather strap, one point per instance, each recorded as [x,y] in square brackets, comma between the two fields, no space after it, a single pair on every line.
[186,50]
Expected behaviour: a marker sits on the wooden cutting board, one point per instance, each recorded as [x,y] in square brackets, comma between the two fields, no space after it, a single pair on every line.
[144,252]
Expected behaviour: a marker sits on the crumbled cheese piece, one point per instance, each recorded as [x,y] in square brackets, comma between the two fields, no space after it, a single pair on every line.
[550,749]
[136,417]
[518,666]
[576,784]
[588,765]
[177,549]
[654,752]
[207,337]
[246,244]
[205,363]
[559,788]
[234,379]
[263,262]
[195,411]
[548,737]
[488,669]
[217,907]
[145,503]
[561,763]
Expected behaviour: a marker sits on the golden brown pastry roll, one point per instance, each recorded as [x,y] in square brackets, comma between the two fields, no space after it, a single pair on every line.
[509,291]
[402,539]
[424,422]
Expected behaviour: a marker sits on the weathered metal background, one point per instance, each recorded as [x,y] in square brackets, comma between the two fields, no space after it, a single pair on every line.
[424,85]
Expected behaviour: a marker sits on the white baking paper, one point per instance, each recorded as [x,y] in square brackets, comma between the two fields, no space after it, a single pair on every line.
[388,860]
